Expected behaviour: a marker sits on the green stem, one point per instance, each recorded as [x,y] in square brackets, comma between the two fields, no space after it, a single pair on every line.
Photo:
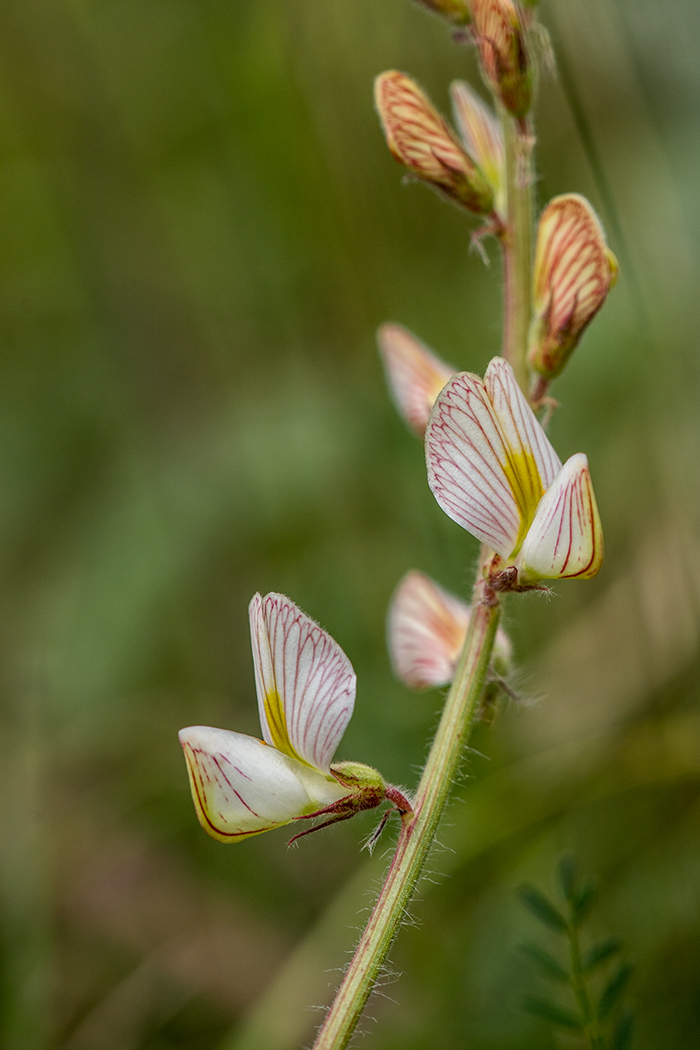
[517,245]
[417,831]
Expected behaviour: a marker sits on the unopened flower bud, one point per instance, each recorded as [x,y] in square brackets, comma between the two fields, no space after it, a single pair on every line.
[423,141]
[501,40]
[455,11]
[482,137]
[574,271]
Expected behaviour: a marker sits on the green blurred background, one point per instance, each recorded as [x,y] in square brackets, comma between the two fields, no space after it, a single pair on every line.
[200,230]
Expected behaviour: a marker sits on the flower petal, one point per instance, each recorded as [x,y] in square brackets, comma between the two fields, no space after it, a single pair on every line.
[526,438]
[242,787]
[482,136]
[426,631]
[305,682]
[469,469]
[414,374]
[566,537]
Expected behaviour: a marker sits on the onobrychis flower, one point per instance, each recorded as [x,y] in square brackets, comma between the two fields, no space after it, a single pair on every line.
[493,470]
[426,630]
[305,683]
[414,373]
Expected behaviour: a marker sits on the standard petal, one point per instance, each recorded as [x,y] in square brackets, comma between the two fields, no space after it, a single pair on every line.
[242,787]
[426,631]
[469,464]
[566,537]
[414,374]
[305,682]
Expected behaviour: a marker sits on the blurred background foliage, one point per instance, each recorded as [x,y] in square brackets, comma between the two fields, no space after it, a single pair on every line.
[200,229]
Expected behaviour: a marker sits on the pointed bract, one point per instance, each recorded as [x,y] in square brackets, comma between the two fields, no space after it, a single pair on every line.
[455,11]
[489,461]
[242,787]
[304,680]
[414,374]
[501,40]
[421,139]
[574,271]
[566,537]
[426,631]
[482,137]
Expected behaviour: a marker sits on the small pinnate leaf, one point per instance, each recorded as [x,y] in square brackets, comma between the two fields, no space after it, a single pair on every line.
[600,953]
[567,878]
[613,990]
[542,908]
[546,963]
[582,903]
[545,1010]
[622,1036]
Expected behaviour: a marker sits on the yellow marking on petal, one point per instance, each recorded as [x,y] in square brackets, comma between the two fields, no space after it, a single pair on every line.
[527,488]
[277,723]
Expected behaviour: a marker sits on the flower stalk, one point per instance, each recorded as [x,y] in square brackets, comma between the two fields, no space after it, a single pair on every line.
[417,831]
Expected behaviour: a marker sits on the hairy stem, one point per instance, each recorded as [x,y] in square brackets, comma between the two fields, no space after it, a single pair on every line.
[417,831]
[517,246]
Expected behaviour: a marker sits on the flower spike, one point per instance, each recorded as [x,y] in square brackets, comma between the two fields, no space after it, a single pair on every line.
[422,140]
[574,271]
[493,471]
[414,373]
[306,692]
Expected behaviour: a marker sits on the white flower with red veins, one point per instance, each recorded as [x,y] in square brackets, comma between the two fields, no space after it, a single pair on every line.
[493,470]
[305,683]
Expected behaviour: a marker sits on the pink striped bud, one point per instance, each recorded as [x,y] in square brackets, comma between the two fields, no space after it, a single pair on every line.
[501,40]
[574,271]
[421,139]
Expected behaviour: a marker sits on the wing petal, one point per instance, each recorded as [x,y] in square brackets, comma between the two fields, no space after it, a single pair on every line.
[414,374]
[566,537]
[426,631]
[304,680]
[468,462]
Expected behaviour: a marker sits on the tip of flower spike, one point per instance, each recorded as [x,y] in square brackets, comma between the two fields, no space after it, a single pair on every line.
[503,52]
